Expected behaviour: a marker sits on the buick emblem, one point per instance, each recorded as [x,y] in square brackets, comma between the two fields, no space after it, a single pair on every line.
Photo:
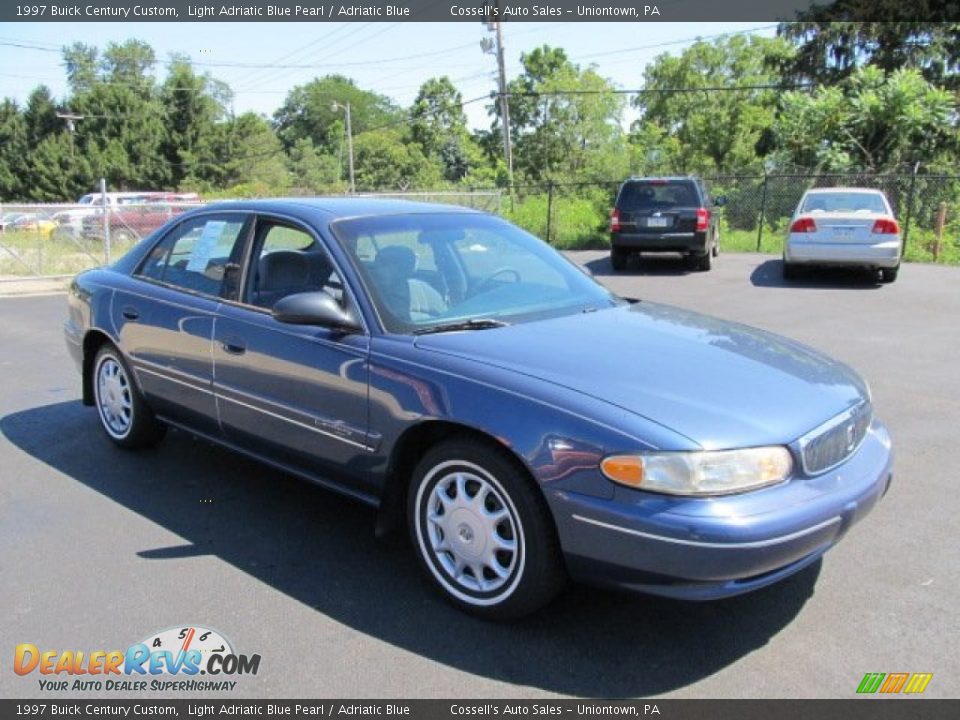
[851,436]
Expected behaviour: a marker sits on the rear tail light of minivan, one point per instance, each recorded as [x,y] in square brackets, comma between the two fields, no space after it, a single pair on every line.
[703,219]
[615,221]
[886,226]
[803,225]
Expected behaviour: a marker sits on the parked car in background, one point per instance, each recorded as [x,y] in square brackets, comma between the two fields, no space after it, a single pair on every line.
[130,222]
[7,220]
[434,362]
[76,222]
[33,222]
[854,227]
[664,214]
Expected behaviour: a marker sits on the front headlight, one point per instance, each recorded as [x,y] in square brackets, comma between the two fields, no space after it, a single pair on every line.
[716,472]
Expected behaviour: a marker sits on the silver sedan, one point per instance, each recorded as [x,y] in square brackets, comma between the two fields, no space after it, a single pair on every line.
[844,226]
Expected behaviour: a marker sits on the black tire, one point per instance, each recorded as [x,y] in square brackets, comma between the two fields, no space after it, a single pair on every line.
[889,275]
[702,263]
[124,415]
[510,510]
[618,259]
[790,271]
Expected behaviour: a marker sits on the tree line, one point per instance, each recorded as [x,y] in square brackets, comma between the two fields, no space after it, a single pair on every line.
[821,96]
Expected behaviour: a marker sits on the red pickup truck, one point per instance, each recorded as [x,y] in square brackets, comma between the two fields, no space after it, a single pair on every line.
[130,222]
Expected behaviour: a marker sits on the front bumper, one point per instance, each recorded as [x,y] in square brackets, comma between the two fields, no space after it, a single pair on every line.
[884,254]
[708,548]
[689,242]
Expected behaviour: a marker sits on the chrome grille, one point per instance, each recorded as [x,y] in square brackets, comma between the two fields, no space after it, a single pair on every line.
[833,442]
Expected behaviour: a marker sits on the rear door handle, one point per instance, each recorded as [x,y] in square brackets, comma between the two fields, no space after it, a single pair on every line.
[234,346]
[130,312]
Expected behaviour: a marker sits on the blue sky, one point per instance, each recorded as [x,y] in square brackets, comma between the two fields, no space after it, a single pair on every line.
[376,55]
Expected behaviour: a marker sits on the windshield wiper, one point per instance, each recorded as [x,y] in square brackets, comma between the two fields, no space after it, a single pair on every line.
[472,324]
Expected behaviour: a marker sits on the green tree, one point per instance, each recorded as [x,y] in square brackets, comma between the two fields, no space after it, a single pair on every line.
[14,151]
[250,154]
[193,105]
[314,170]
[565,120]
[40,116]
[56,171]
[308,112]
[439,125]
[833,41]
[870,121]
[384,161]
[703,100]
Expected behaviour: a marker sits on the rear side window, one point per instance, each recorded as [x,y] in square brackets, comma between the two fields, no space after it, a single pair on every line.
[194,255]
[657,194]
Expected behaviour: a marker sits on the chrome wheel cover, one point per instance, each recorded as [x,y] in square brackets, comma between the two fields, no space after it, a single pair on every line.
[469,532]
[114,397]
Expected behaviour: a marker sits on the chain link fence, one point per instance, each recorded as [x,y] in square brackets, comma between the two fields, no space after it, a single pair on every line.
[61,240]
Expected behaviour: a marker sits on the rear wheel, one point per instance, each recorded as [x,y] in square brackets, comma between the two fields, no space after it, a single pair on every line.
[702,263]
[790,271]
[482,531]
[889,275]
[124,415]
[618,258]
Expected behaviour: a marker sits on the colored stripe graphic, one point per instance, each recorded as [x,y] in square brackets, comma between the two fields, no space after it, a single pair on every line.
[894,682]
[871,682]
[918,682]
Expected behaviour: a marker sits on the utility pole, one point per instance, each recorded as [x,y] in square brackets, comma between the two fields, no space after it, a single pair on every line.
[488,47]
[346,108]
[504,104]
[71,119]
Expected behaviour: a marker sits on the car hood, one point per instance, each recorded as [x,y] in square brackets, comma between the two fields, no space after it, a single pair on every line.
[720,384]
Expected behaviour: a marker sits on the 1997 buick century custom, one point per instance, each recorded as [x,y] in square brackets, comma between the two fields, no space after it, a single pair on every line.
[449,368]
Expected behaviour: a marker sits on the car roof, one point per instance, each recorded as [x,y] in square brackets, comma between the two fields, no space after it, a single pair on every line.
[336,208]
[661,178]
[819,191]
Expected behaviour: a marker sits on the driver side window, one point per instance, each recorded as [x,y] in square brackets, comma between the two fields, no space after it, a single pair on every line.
[289,261]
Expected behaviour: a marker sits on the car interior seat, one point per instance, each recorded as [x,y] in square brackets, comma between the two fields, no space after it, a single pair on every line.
[282,273]
[406,297]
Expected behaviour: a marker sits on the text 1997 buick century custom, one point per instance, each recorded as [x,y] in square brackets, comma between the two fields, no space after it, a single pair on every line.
[445,366]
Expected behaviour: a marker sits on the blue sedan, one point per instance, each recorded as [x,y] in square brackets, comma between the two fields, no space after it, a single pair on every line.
[527,425]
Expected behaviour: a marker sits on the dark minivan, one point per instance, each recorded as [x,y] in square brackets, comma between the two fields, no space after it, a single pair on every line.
[670,214]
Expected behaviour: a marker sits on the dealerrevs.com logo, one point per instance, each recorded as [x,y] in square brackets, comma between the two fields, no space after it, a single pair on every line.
[171,660]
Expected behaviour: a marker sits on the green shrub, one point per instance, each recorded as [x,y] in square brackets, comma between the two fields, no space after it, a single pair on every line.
[577,223]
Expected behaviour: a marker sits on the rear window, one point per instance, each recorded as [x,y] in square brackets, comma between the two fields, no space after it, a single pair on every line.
[845,202]
[650,194]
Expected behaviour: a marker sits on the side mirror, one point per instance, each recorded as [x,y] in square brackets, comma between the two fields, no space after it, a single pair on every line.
[720,201]
[314,308]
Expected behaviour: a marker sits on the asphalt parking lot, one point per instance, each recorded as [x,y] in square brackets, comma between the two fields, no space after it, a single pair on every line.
[101,547]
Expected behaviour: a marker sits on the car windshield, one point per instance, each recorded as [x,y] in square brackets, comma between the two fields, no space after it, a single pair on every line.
[844,202]
[426,271]
[661,194]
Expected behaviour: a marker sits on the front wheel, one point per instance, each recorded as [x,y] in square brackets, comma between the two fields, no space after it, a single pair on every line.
[482,531]
[124,415]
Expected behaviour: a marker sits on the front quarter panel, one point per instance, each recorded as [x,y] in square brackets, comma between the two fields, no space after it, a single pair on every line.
[560,435]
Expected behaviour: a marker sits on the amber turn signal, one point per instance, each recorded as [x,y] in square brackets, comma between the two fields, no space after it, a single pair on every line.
[624,469]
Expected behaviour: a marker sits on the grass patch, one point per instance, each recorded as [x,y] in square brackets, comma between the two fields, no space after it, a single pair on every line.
[23,254]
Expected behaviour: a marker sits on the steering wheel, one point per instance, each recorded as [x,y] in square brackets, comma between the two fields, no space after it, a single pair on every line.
[488,281]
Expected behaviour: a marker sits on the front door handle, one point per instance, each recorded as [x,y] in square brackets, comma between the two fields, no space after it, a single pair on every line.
[234,346]
[130,312]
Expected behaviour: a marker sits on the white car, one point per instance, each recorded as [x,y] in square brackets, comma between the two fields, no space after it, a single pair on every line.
[844,226]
